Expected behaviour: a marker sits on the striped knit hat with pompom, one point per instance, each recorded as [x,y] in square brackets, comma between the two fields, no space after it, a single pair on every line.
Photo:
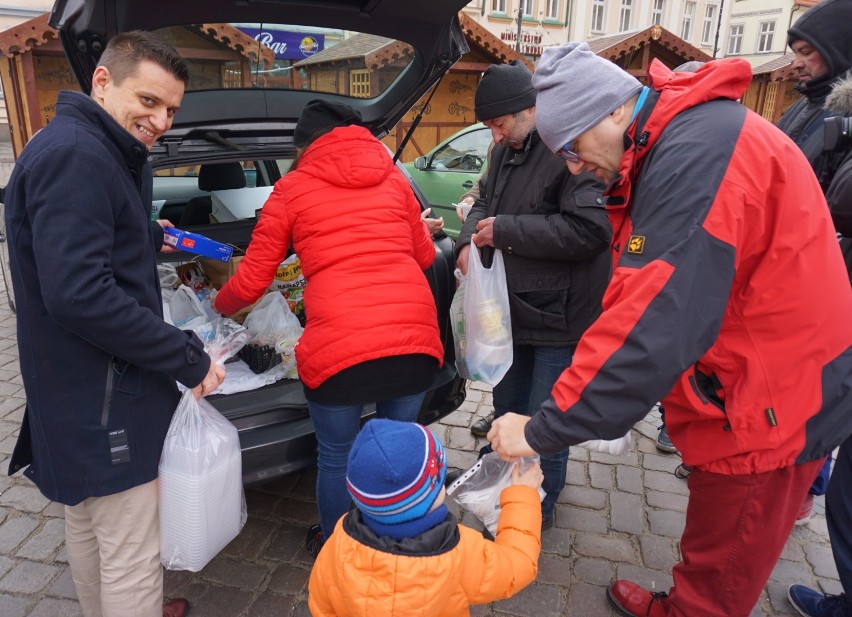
[396,471]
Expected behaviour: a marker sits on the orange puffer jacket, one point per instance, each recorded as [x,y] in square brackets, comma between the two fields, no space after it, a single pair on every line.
[438,574]
[354,222]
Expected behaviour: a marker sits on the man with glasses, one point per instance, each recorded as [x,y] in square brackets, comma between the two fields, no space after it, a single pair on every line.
[728,298]
[554,235]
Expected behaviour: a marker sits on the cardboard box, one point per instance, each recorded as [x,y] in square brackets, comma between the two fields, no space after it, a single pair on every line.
[196,243]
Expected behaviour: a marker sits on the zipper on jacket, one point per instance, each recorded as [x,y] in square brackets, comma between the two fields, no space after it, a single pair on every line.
[108,392]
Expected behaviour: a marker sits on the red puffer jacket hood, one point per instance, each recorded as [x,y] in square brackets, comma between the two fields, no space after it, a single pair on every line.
[348,157]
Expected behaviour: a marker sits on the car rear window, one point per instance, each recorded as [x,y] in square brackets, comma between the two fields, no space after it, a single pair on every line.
[290,57]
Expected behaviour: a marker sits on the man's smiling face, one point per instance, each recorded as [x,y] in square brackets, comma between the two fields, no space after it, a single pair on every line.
[144,102]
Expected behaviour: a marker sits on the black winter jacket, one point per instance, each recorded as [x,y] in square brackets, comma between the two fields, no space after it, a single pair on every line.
[98,362]
[554,234]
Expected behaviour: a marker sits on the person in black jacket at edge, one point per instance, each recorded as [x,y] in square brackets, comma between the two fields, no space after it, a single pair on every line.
[554,234]
[822,48]
[98,362]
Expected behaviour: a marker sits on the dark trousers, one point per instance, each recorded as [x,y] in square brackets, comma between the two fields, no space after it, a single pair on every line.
[838,513]
[736,528]
[525,387]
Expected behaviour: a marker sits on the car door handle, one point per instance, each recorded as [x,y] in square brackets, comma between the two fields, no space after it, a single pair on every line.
[468,184]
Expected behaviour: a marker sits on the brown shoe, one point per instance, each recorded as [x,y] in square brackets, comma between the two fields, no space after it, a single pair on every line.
[176,608]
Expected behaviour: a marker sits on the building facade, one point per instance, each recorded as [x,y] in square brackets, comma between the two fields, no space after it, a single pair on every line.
[546,23]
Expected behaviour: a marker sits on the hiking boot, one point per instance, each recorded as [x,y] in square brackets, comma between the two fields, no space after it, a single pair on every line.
[631,600]
[812,603]
[682,471]
[481,427]
[664,444]
[314,540]
[806,510]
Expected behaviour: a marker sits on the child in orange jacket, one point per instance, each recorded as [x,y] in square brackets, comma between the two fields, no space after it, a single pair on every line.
[401,552]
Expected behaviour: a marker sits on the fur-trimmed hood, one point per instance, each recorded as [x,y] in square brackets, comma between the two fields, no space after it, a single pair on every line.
[840,99]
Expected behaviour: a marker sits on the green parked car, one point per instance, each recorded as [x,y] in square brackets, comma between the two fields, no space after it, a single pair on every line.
[450,170]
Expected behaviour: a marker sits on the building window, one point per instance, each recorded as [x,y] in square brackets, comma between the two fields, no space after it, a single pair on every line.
[527,7]
[598,7]
[498,6]
[686,24]
[765,36]
[552,10]
[709,24]
[359,84]
[624,17]
[657,12]
[735,40]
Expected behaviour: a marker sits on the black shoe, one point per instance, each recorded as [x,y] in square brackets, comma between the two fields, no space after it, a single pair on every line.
[664,444]
[682,471]
[546,523]
[314,540]
[481,427]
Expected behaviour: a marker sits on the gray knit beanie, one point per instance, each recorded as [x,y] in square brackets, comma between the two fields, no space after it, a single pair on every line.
[504,89]
[576,90]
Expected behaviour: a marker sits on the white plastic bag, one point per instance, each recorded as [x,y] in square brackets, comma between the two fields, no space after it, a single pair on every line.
[486,350]
[478,489]
[272,324]
[202,503]
[185,310]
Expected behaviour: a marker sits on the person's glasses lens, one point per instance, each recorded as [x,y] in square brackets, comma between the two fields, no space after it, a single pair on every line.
[569,155]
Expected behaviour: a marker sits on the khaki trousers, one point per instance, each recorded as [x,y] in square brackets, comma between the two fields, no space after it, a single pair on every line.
[113,545]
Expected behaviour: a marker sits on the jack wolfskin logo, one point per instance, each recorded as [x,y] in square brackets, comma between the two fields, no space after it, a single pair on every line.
[636,244]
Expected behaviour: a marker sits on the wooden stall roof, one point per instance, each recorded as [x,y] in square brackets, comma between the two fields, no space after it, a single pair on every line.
[36,31]
[779,69]
[238,41]
[617,46]
[26,36]
[377,51]
[494,48]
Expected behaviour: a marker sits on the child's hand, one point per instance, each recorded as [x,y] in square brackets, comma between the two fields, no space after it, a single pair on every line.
[530,475]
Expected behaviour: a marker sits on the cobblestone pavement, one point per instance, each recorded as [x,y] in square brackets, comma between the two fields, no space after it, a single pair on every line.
[618,517]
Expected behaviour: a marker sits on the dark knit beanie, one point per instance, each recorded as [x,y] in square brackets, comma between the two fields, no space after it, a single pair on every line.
[396,471]
[504,89]
[321,116]
[826,27]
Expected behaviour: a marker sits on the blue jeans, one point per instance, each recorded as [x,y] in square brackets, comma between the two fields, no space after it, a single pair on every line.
[838,514]
[336,427]
[525,387]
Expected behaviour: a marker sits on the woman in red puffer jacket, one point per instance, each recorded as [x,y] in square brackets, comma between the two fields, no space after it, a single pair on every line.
[372,330]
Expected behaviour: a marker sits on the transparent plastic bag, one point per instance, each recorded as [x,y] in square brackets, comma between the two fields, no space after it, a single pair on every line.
[487,353]
[185,309]
[478,489]
[457,323]
[272,324]
[202,502]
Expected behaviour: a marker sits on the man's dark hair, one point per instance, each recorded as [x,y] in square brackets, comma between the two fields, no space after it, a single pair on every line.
[125,51]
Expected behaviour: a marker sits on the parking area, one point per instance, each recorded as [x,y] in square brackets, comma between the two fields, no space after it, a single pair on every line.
[618,517]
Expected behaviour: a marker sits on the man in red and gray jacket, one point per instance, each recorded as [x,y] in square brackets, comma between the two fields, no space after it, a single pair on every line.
[729,298]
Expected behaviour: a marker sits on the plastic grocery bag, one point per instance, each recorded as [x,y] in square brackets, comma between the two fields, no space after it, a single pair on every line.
[185,310]
[478,489]
[273,325]
[202,503]
[485,353]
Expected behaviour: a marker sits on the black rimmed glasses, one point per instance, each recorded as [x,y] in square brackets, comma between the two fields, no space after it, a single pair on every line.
[569,155]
